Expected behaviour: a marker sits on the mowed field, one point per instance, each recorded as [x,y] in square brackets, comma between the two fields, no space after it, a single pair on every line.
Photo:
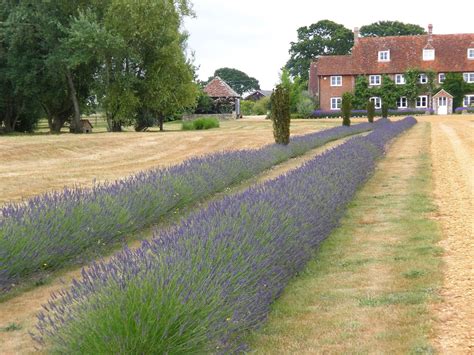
[31,165]
[35,164]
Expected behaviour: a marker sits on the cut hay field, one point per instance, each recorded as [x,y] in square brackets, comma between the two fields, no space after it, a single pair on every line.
[34,164]
[394,277]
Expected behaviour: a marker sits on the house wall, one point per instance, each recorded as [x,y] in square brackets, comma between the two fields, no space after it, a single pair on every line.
[326,91]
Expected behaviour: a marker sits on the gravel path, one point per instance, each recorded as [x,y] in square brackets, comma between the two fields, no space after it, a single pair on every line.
[453,167]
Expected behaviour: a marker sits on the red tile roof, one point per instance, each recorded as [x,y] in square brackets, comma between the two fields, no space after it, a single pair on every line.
[405,52]
[219,88]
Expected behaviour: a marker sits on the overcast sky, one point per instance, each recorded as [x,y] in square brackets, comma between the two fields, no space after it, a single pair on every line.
[254,35]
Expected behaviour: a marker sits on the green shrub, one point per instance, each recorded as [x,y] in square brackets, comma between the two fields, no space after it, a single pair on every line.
[262,106]
[305,105]
[384,110]
[347,98]
[246,107]
[281,114]
[370,111]
[200,124]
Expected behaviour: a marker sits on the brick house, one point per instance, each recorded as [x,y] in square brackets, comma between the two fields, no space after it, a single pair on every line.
[331,76]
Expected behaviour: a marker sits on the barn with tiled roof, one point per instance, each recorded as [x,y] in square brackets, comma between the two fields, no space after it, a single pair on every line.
[218,88]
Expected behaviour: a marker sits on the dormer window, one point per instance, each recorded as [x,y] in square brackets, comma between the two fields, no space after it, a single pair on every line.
[428,54]
[384,56]
[470,53]
[423,79]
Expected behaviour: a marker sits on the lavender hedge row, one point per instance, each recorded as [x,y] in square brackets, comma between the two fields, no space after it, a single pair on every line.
[202,285]
[55,229]
[363,113]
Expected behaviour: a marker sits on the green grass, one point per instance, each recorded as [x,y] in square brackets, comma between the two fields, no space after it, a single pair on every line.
[11,327]
[369,286]
[200,124]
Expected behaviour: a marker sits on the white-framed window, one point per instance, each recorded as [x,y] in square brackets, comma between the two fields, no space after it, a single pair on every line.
[336,103]
[377,101]
[375,79]
[468,101]
[468,77]
[384,56]
[428,54]
[399,79]
[336,80]
[441,78]
[423,79]
[422,101]
[402,102]
[470,53]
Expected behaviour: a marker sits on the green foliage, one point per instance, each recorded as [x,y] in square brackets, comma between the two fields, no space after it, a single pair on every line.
[456,86]
[262,106]
[295,87]
[324,37]
[389,92]
[346,107]
[204,103]
[384,109]
[305,105]
[390,28]
[370,111]
[280,101]
[247,107]
[200,124]
[362,92]
[238,80]
[412,87]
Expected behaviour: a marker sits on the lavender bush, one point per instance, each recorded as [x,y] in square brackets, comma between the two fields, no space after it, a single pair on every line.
[363,113]
[202,285]
[54,229]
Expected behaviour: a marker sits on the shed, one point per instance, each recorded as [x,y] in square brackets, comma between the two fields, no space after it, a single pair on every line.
[86,126]
[223,95]
[258,94]
[443,103]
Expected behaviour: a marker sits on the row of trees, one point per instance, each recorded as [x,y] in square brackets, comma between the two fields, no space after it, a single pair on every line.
[62,58]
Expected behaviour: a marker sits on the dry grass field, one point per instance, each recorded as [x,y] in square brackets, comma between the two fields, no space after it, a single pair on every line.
[34,164]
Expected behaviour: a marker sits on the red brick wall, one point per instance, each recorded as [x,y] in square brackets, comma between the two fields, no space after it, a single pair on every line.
[327,91]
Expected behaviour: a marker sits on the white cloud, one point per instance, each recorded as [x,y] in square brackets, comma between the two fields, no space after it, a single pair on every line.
[254,35]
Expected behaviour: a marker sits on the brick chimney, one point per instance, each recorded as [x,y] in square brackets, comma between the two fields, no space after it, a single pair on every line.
[356,35]
[430,32]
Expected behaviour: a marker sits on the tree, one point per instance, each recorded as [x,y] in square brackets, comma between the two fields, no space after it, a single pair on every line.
[280,101]
[237,80]
[384,110]
[389,92]
[321,38]
[295,87]
[370,111]
[346,104]
[390,28]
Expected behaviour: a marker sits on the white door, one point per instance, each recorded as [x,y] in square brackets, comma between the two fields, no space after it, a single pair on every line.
[442,105]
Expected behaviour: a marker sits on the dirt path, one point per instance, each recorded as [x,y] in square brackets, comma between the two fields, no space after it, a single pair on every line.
[22,309]
[453,172]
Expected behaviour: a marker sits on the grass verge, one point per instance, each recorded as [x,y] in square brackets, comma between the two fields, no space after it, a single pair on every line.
[369,286]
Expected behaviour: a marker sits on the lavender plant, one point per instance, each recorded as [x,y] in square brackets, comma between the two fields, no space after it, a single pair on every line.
[202,285]
[55,229]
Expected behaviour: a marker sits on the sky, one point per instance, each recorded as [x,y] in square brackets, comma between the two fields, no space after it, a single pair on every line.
[254,36]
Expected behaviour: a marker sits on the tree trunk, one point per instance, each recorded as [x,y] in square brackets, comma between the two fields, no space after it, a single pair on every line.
[161,119]
[76,121]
